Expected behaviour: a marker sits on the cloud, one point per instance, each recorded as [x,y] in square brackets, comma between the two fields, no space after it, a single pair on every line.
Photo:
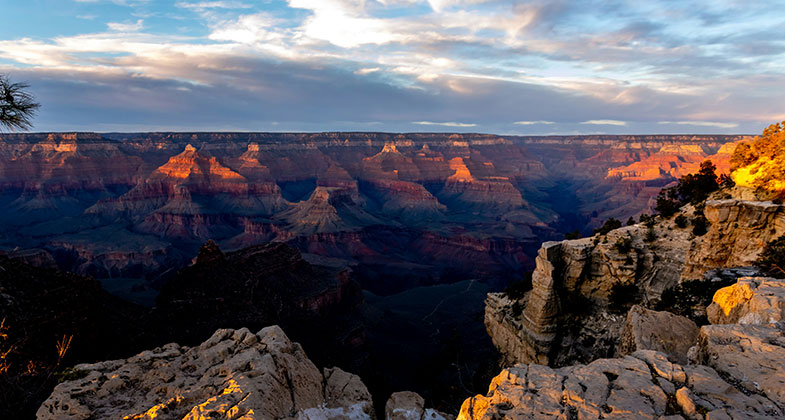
[605,122]
[126,27]
[204,5]
[533,122]
[565,66]
[445,124]
[367,70]
[701,123]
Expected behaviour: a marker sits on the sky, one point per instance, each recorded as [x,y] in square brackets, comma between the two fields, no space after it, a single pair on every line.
[505,67]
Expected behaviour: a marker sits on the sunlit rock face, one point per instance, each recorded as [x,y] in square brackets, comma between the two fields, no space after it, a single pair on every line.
[235,374]
[735,370]
[541,332]
[591,268]
[739,230]
[247,188]
[752,300]
[644,385]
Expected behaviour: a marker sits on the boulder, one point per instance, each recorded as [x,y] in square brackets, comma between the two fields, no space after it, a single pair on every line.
[753,355]
[409,405]
[752,300]
[665,332]
[235,374]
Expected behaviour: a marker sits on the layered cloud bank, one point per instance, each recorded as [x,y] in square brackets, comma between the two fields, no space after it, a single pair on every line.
[399,65]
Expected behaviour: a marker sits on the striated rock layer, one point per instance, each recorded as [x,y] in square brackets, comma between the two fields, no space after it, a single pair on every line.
[565,316]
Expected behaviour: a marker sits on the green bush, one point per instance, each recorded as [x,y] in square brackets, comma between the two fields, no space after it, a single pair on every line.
[630,221]
[681,221]
[700,225]
[623,245]
[651,235]
[573,235]
[609,225]
[691,188]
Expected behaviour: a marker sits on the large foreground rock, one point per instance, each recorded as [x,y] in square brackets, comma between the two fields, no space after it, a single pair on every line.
[752,300]
[754,355]
[234,375]
[644,385]
[661,331]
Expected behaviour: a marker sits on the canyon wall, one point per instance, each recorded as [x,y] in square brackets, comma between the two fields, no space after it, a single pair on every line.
[136,205]
[568,315]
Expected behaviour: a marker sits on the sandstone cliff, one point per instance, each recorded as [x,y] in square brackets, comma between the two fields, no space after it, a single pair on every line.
[565,317]
[736,372]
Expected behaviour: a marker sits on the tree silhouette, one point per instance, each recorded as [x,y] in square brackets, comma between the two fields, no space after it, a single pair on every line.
[17,106]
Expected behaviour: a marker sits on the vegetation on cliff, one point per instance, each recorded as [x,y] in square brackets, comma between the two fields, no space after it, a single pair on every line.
[690,189]
[760,163]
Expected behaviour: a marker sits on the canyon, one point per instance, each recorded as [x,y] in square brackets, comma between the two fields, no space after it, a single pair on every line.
[391,241]
[438,207]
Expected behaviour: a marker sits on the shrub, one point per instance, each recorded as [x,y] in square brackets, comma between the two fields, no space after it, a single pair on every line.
[700,225]
[623,245]
[609,225]
[648,221]
[667,202]
[651,235]
[517,289]
[630,221]
[681,221]
[517,308]
[691,188]
[622,297]
[772,258]
[573,235]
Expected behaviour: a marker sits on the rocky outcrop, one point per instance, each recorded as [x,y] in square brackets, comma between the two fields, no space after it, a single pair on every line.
[644,385]
[235,374]
[752,300]
[565,316]
[660,331]
[752,355]
[739,230]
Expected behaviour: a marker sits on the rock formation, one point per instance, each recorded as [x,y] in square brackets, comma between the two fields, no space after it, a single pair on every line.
[644,385]
[660,331]
[235,374]
[736,370]
[739,230]
[565,316]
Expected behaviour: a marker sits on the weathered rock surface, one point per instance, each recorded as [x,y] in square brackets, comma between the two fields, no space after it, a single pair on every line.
[235,375]
[752,300]
[409,405]
[644,385]
[670,334]
[578,276]
[739,230]
[753,355]
[589,268]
